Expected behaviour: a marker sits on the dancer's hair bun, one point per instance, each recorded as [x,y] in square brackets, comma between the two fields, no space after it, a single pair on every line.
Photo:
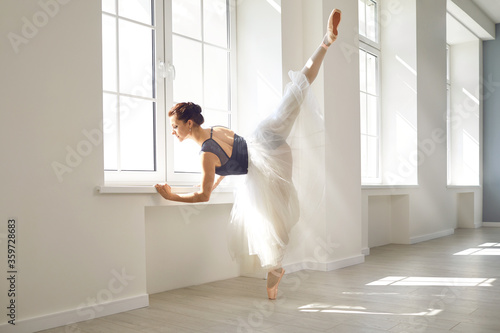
[186,111]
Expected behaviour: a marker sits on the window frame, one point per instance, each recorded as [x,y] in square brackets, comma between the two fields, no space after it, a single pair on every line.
[378,178]
[163,76]
[364,39]
[373,47]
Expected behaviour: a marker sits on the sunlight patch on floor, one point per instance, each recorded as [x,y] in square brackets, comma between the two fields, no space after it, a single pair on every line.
[432,281]
[486,249]
[347,309]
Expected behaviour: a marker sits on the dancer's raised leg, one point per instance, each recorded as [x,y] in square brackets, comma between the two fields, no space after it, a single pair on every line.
[313,65]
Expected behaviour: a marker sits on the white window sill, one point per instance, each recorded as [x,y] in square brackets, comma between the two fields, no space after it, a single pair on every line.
[221,195]
[465,187]
[387,187]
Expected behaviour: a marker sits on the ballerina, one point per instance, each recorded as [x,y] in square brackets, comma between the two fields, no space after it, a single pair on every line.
[265,206]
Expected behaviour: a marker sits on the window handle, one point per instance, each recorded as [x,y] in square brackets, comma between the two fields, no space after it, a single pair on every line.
[162,72]
[166,70]
[171,70]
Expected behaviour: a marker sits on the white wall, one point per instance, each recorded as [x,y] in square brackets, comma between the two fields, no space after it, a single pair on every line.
[465,72]
[431,108]
[186,245]
[380,226]
[342,140]
[398,71]
[71,241]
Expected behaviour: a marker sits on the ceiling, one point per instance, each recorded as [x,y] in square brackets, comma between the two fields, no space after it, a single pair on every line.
[491,8]
[457,33]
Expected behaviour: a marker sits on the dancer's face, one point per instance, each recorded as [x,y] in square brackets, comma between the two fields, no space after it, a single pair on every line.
[179,128]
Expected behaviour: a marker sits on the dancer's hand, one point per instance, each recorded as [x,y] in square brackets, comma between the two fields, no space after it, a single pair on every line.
[217,182]
[164,190]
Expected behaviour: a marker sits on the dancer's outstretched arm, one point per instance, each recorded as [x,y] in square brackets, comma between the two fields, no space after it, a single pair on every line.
[208,163]
[313,65]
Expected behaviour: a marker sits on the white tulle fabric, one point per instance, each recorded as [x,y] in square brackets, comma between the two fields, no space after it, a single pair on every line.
[266,205]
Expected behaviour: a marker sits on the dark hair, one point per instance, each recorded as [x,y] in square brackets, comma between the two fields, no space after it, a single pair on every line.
[186,111]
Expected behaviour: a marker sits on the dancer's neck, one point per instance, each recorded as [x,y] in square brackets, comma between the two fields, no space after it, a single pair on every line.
[199,135]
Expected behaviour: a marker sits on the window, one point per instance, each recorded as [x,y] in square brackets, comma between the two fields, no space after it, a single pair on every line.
[370,128]
[368,21]
[369,54]
[131,98]
[155,54]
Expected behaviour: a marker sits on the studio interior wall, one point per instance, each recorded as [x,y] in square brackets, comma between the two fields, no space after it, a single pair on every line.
[491,98]
[83,254]
[75,248]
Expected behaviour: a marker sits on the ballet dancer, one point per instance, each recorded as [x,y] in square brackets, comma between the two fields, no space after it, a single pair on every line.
[266,204]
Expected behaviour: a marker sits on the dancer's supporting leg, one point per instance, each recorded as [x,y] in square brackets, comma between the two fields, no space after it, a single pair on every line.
[273,279]
[313,65]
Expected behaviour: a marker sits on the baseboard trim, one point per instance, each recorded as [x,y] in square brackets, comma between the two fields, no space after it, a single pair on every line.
[73,317]
[491,224]
[324,266]
[423,238]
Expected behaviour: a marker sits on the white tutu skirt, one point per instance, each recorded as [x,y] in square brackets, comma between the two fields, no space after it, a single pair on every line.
[266,205]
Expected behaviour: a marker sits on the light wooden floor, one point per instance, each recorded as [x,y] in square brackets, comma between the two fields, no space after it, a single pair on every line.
[400,288]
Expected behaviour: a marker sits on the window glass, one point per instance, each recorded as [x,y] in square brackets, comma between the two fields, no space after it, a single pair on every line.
[362,17]
[109,6]
[109,73]
[216,78]
[136,59]
[371,74]
[129,105]
[136,134]
[362,70]
[371,20]
[369,117]
[187,58]
[215,22]
[186,18]
[368,19]
[369,92]
[186,157]
[137,10]
[372,115]
[110,131]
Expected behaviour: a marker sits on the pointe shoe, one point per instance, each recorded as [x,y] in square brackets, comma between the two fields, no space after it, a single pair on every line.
[333,23]
[273,292]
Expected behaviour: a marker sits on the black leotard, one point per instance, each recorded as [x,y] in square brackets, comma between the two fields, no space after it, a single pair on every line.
[237,164]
